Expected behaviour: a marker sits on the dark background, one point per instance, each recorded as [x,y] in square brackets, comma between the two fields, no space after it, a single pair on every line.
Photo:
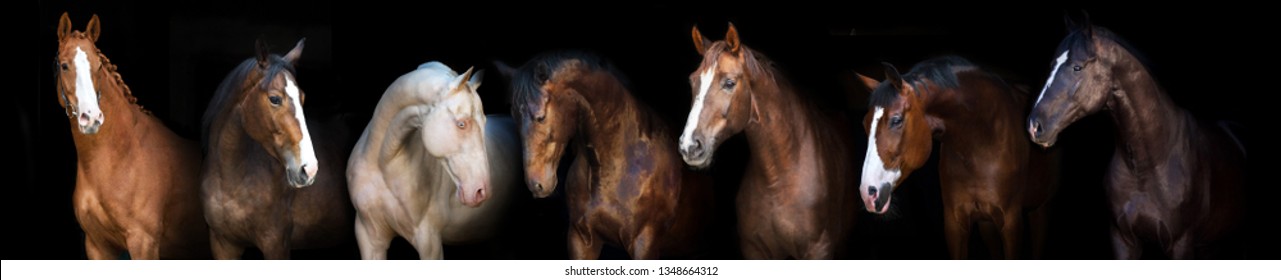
[174,55]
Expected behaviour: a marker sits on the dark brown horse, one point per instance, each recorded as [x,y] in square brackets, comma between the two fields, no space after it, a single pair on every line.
[626,185]
[136,181]
[260,162]
[1173,181]
[988,171]
[798,197]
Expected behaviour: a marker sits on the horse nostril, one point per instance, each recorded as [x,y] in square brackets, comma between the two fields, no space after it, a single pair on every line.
[1036,129]
[698,144]
[871,192]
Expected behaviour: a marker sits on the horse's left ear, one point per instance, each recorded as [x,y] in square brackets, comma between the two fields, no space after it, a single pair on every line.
[731,37]
[475,80]
[94,29]
[294,54]
[262,53]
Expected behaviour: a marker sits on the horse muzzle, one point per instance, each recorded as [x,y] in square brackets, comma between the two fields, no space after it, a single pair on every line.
[877,199]
[90,121]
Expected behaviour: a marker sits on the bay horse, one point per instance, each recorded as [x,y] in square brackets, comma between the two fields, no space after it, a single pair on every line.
[987,171]
[431,166]
[1173,180]
[136,181]
[260,156]
[626,186]
[797,198]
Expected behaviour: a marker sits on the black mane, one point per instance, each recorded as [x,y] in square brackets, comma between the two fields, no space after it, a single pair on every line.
[941,71]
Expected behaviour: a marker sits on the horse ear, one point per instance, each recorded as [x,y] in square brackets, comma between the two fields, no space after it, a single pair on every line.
[1074,23]
[731,37]
[94,29]
[475,80]
[700,43]
[294,54]
[261,52]
[463,80]
[505,70]
[868,81]
[64,26]
[891,75]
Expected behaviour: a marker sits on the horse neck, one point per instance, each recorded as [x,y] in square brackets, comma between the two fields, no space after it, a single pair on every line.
[398,126]
[1148,122]
[978,110]
[782,121]
[235,153]
[608,115]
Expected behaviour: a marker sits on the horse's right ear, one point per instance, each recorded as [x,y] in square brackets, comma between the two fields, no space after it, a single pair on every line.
[868,81]
[1075,22]
[700,43]
[505,70]
[64,26]
[891,75]
[262,53]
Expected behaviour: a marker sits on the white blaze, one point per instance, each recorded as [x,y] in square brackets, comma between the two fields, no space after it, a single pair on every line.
[874,172]
[86,93]
[705,84]
[308,156]
[1057,63]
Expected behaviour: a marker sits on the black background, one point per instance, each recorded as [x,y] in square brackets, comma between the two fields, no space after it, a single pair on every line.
[173,56]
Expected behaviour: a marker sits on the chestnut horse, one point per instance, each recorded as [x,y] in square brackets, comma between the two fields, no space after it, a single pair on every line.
[259,158]
[988,172]
[626,186]
[427,161]
[136,181]
[1173,181]
[797,198]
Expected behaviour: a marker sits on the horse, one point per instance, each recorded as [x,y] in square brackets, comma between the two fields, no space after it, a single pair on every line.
[262,181]
[136,181]
[1174,180]
[987,171]
[626,186]
[796,198]
[431,166]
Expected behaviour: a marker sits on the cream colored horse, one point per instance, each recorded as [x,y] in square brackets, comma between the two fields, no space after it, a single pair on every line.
[427,161]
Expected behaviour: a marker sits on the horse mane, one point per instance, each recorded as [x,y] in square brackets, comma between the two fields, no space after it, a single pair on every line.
[941,71]
[526,84]
[1078,39]
[230,86]
[115,75]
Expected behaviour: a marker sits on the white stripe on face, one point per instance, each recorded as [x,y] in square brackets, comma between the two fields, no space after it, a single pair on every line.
[86,94]
[874,172]
[305,147]
[1057,63]
[705,85]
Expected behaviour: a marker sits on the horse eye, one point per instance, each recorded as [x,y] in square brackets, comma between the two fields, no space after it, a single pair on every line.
[896,120]
[65,67]
[1076,68]
[729,84]
[540,118]
[275,100]
[462,124]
